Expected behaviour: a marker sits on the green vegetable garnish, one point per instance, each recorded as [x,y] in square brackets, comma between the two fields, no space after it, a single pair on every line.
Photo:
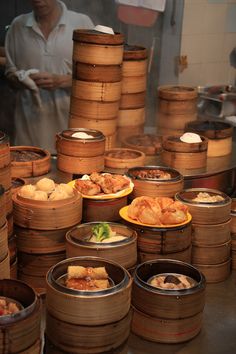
[102,231]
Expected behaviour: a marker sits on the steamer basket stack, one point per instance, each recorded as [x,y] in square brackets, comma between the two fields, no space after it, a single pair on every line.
[131,116]
[6,220]
[211,242]
[177,106]
[233,233]
[97,80]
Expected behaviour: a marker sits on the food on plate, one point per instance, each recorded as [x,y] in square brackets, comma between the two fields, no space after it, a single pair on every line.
[87,278]
[98,183]
[172,281]
[151,174]
[8,307]
[102,232]
[46,189]
[207,198]
[157,211]
[46,185]
[190,138]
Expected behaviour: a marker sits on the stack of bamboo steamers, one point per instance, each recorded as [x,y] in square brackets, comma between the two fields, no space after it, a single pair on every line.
[97,80]
[6,221]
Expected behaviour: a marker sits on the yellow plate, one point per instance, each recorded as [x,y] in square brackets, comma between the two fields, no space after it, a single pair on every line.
[103,196]
[124,214]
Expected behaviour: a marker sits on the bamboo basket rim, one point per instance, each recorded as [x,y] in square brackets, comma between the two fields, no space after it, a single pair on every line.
[189,92]
[45,154]
[210,132]
[93,36]
[117,288]
[99,245]
[65,135]
[138,281]
[134,52]
[202,245]
[116,159]
[179,196]
[51,204]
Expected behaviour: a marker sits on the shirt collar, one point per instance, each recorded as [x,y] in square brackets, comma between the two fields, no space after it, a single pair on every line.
[30,21]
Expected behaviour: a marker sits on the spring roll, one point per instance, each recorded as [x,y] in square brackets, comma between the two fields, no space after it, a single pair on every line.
[86,272]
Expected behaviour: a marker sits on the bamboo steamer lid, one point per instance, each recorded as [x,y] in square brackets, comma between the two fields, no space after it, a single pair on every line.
[97,73]
[124,158]
[178,93]
[92,36]
[32,167]
[4,150]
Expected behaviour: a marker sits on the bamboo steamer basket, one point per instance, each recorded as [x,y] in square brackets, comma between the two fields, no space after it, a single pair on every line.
[88,308]
[2,207]
[126,131]
[96,91]
[94,109]
[8,201]
[92,47]
[5,268]
[13,270]
[123,252]
[97,73]
[178,154]
[40,241]
[233,259]
[167,309]
[213,254]
[177,93]
[233,242]
[166,331]
[133,84]
[174,122]
[23,328]
[233,216]
[66,144]
[110,141]
[73,338]
[10,225]
[3,241]
[30,168]
[103,209]
[5,177]
[155,187]
[47,215]
[184,256]
[123,158]
[215,273]
[211,235]
[149,144]
[131,117]
[107,126]
[12,249]
[177,107]
[5,159]
[134,68]
[37,283]
[133,100]
[206,213]
[80,165]
[218,133]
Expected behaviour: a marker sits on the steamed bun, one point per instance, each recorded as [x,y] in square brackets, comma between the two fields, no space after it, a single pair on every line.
[46,185]
[27,191]
[40,195]
[69,190]
[58,195]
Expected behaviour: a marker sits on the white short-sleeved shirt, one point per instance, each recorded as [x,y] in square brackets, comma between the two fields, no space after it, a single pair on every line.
[26,48]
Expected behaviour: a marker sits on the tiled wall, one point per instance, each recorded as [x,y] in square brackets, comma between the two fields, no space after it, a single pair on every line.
[208,38]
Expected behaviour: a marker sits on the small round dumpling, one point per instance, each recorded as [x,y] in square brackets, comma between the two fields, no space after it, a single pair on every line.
[58,195]
[27,191]
[65,187]
[40,195]
[46,185]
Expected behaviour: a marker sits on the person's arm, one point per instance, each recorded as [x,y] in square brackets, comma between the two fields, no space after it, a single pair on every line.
[50,81]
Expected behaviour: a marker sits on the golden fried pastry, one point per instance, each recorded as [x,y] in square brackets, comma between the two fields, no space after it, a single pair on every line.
[87,187]
[164,202]
[110,183]
[146,210]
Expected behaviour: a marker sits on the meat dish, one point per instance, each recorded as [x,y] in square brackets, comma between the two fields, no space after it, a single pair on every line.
[24,156]
[157,211]
[87,278]
[207,198]
[8,307]
[151,174]
[172,281]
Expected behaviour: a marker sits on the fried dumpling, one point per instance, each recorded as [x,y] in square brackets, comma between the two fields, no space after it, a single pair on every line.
[146,210]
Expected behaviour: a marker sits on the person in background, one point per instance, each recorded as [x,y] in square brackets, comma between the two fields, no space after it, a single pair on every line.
[39,64]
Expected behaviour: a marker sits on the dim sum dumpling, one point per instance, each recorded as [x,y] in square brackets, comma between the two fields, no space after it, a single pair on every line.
[27,191]
[58,195]
[46,185]
[40,195]
[65,187]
